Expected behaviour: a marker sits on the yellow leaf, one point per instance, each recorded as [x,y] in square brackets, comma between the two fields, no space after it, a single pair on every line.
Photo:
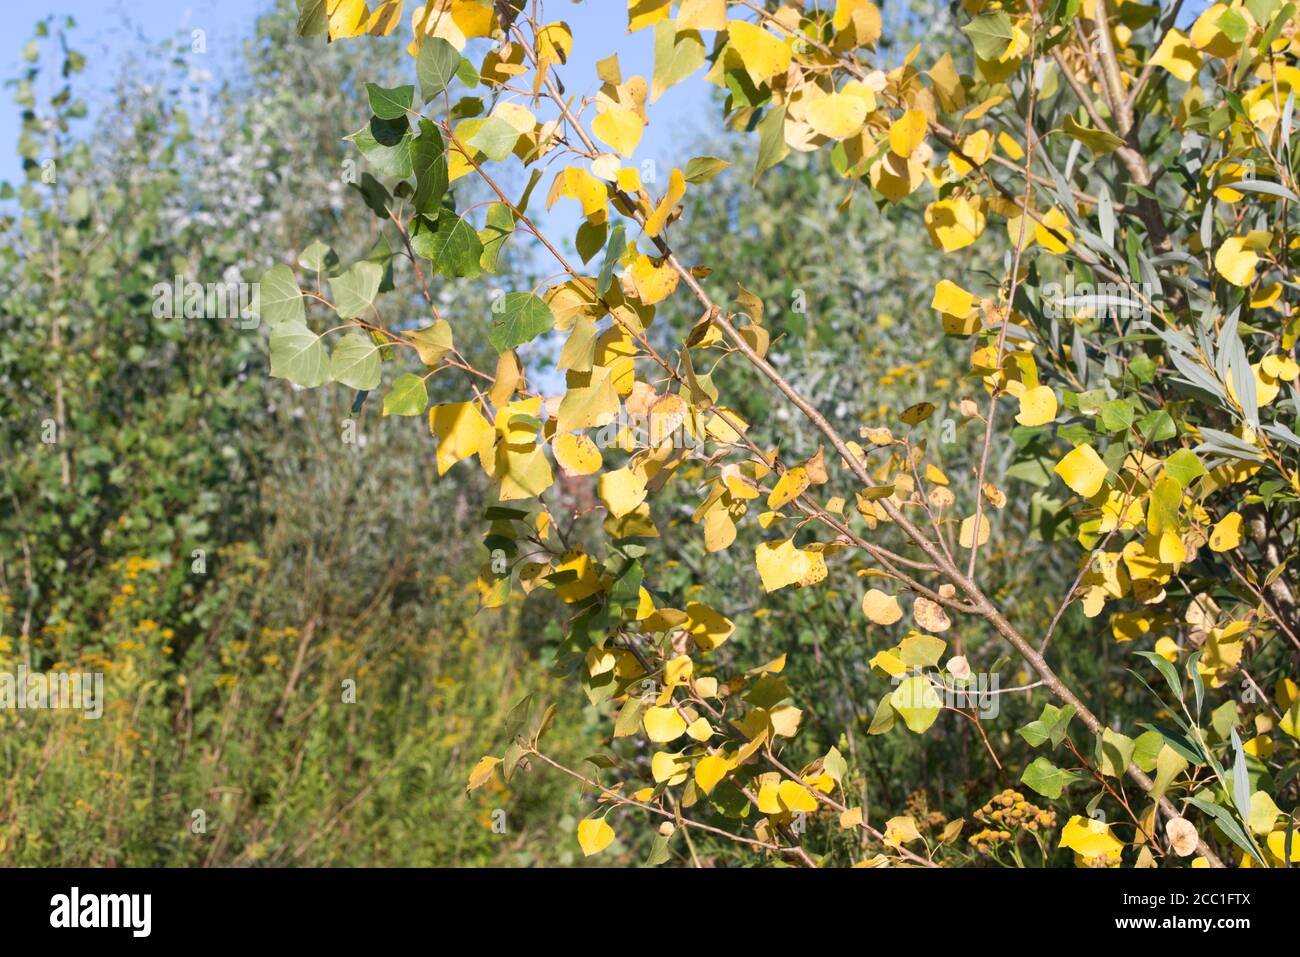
[763,54]
[663,725]
[880,608]
[347,18]
[907,133]
[646,13]
[669,768]
[577,454]
[1234,262]
[1037,406]
[622,490]
[461,430]
[702,15]
[482,772]
[1227,533]
[954,223]
[1090,838]
[700,730]
[594,835]
[709,771]
[1055,223]
[619,129]
[676,190]
[1083,470]
[1177,55]
[708,627]
[952,299]
[838,116]
[653,283]
[967,535]
[790,486]
[795,797]
[781,564]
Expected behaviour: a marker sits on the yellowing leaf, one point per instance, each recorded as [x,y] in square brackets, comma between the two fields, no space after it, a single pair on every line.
[663,725]
[622,490]
[917,702]
[838,116]
[1037,406]
[619,129]
[1234,262]
[461,430]
[1227,533]
[594,835]
[1083,470]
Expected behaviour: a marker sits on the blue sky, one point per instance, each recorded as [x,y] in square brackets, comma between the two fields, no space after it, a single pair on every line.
[108,29]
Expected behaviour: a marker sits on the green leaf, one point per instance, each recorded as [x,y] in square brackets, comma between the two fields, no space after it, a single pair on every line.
[1052,725]
[1229,825]
[1046,778]
[701,169]
[429,161]
[613,252]
[408,396]
[500,224]
[355,362]
[990,34]
[389,104]
[1116,416]
[355,290]
[318,257]
[495,139]
[677,56]
[298,355]
[435,65]
[771,141]
[386,145]
[1185,467]
[520,317]
[1100,142]
[312,19]
[1115,752]
[1169,672]
[452,246]
[280,297]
